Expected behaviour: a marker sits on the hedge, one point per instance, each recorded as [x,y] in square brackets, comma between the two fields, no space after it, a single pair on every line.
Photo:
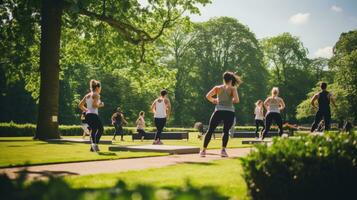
[310,167]
[57,189]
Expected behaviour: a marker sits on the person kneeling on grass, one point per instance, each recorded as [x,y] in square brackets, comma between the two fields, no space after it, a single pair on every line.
[227,95]
[140,125]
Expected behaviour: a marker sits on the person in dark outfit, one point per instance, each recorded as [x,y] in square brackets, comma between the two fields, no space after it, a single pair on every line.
[118,121]
[324,112]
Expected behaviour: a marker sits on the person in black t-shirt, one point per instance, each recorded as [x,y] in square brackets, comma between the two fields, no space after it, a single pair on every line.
[118,121]
[324,112]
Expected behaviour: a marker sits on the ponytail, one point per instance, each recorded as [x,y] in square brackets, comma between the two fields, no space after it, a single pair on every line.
[231,76]
[93,84]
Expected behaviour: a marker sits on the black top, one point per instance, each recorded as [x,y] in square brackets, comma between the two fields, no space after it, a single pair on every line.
[118,118]
[324,101]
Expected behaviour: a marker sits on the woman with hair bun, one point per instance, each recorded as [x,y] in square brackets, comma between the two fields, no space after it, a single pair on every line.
[90,104]
[226,95]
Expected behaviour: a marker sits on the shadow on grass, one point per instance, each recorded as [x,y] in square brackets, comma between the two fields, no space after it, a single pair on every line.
[199,163]
[107,154]
[17,140]
[45,173]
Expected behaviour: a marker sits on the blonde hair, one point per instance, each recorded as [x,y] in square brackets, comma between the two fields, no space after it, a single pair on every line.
[258,102]
[275,91]
[93,84]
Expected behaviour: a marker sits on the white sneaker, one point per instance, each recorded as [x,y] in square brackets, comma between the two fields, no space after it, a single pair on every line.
[203,153]
[224,153]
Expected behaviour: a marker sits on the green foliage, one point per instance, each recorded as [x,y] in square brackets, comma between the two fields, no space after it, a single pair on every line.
[308,167]
[344,65]
[56,188]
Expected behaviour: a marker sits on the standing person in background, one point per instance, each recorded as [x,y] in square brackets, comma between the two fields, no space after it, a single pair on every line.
[259,117]
[140,125]
[226,95]
[161,108]
[118,121]
[323,98]
[274,104]
[93,102]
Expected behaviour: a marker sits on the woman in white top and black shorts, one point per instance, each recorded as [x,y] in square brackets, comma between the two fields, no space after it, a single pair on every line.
[140,125]
[259,117]
[161,108]
[92,102]
[274,104]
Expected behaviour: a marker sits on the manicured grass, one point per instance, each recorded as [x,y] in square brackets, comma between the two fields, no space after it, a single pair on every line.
[224,175]
[18,151]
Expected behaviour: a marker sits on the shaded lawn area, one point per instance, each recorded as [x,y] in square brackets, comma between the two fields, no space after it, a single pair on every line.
[224,175]
[19,151]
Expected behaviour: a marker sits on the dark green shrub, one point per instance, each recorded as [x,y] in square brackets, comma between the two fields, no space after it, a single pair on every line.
[56,188]
[308,167]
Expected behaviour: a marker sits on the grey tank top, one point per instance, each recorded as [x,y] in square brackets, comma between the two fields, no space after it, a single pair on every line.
[274,106]
[224,100]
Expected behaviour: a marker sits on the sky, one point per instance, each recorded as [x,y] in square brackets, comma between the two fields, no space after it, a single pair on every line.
[318,23]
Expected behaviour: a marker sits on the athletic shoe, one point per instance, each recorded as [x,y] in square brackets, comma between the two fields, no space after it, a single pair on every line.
[97,148]
[93,147]
[224,153]
[155,142]
[113,139]
[160,143]
[122,140]
[203,153]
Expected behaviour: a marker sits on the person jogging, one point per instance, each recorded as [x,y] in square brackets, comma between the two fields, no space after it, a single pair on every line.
[140,125]
[226,95]
[323,109]
[118,121]
[259,117]
[93,102]
[161,108]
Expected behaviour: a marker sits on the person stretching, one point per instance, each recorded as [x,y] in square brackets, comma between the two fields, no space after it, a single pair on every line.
[140,125]
[118,121]
[259,117]
[92,101]
[274,104]
[161,108]
[226,96]
[323,98]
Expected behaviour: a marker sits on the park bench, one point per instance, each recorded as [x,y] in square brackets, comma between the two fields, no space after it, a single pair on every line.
[164,136]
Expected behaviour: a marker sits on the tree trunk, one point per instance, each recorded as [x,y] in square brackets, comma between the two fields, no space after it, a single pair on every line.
[47,122]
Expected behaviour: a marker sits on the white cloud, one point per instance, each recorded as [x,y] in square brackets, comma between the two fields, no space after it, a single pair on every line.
[325,52]
[300,18]
[336,8]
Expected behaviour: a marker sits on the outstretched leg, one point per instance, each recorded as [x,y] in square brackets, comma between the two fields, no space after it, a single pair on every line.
[213,123]
[318,118]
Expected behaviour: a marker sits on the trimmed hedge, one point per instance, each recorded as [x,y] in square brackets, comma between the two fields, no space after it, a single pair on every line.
[56,188]
[310,167]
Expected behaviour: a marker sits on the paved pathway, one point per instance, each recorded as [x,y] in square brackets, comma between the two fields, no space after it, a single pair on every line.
[120,165]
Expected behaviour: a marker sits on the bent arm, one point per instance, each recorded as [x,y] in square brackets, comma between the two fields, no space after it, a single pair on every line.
[212,93]
[168,107]
[81,105]
[153,108]
[282,104]
[96,101]
[235,95]
[313,100]
[266,103]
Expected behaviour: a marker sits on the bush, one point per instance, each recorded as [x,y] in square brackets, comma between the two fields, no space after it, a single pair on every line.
[56,188]
[310,167]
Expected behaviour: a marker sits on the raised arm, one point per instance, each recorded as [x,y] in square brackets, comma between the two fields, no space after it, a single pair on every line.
[313,100]
[212,93]
[235,95]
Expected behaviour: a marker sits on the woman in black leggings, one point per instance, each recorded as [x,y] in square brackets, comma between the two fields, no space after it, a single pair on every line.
[92,102]
[274,104]
[226,96]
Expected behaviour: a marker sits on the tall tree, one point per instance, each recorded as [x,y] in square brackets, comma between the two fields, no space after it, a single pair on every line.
[290,69]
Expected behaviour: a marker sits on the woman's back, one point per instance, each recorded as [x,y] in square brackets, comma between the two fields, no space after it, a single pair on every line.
[225,98]
[89,102]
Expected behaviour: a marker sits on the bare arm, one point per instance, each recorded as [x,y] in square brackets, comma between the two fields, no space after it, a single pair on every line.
[313,99]
[81,104]
[153,108]
[282,104]
[235,95]
[212,93]
[96,101]
[266,103]
[113,117]
[168,106]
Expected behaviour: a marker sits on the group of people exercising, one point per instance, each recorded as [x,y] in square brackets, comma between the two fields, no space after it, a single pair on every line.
[223,96]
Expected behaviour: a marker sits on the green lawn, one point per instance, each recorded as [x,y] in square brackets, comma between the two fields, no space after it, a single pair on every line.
[17,151]
[224,175]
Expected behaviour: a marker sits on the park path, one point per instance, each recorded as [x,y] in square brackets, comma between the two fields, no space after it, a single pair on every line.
[120,165]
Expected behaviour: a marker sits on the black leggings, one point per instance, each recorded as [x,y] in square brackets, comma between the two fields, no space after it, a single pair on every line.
[118,130]
[217,117]
[258,122]
[141,132]
[96,126]
[268,121]
[318,117]
[160,124]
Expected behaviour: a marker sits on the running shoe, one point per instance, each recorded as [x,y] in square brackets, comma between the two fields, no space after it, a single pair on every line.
[155,142]
[203,153]
[224,153]
[160,143]
[93,148]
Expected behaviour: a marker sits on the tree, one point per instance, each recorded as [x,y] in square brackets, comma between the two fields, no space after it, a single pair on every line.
[290,69]
[344,65]
[135,23]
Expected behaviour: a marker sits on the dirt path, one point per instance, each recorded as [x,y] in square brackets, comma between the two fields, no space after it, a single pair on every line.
[120,165]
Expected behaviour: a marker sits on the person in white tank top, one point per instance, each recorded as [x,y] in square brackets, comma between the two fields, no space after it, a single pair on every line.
[274,104]
[161,108]
[259,117]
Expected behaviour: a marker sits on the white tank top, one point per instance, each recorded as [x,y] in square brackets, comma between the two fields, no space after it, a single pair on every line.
[259,113]
[160,109]
[90,108]
[274,105]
